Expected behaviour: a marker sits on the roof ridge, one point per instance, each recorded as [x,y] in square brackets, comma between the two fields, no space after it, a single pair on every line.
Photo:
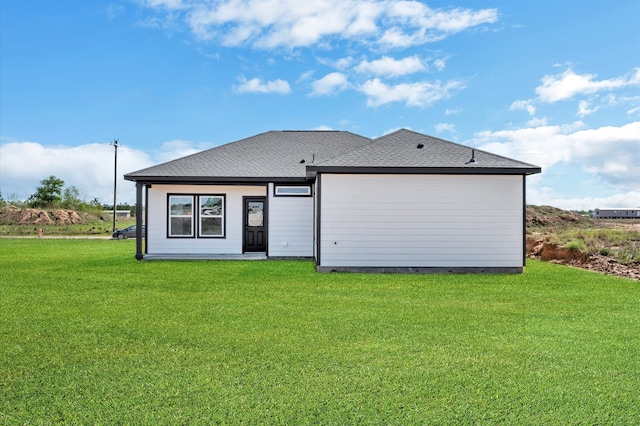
[351,150]
[310,131]
[371,142]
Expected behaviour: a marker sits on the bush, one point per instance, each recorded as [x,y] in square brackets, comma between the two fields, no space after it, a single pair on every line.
[578,245]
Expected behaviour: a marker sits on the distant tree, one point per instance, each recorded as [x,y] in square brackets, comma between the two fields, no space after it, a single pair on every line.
[15,200]
[2,201]
[71,198]
[48,194]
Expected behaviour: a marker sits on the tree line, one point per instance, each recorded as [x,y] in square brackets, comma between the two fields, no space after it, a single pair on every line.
[52,194]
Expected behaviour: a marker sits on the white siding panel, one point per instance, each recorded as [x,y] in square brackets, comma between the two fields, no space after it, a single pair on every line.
[421,221]
[291,226]
[158,243]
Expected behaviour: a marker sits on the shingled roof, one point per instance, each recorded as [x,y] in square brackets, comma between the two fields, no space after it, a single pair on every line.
[298,155]
[274,155]
[407,151]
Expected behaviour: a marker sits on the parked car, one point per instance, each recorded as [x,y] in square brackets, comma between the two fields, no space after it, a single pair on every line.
[129,232]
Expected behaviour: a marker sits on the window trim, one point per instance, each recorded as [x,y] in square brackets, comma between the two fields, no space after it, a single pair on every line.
[309,192]
[222,216]
[196,216]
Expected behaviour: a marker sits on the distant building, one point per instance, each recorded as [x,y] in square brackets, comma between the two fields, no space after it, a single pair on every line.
[120,214]
[616,213]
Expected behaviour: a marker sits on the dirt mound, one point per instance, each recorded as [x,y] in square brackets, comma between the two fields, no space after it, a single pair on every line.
[12,214]
[33,216]
[541,216]
[547,251]
[66,217]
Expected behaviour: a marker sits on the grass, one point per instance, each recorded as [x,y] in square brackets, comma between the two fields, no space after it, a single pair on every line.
[89,335]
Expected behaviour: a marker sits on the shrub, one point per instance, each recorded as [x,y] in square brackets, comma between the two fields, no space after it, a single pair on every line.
[576,245]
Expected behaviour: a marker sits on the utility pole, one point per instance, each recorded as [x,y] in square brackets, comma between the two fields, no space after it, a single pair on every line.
[115,181]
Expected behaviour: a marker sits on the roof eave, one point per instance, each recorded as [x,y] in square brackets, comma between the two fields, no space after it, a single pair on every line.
[209,180]
[313,170]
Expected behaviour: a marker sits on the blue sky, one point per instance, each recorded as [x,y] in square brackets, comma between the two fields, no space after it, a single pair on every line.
[553,83]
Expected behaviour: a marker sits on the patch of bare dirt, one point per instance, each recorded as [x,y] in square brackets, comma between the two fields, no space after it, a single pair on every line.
[608,265]
[540,249]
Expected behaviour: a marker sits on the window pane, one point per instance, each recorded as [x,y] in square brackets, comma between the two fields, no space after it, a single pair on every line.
[293,190]
[181,226]
[255,215]
[211,206]
[211,216]
[181,206]
[211,226]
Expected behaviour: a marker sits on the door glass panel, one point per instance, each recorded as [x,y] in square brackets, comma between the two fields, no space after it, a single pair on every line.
[255,215]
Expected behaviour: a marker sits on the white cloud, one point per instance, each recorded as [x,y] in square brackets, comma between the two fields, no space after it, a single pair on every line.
[329,84]
[452,111]
[439,64]
[584,109]
[305,76]
[416,23]
[445,127]
[537,122]
[523,105]
[418,94]
[89,167]
[339,64]
[268,24]
[394,129]
[610,153]
[178,148]
[114,10]
[256,85]
[164,4]
[633,110]
[286,25]
[387,66]
[547,196]
[568,84]
[322,127]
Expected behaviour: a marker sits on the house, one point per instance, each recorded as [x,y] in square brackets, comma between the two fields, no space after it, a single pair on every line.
[120,214]
[616,213]
[401,202]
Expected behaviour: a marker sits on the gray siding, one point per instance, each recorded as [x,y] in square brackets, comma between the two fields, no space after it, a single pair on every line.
[421,221]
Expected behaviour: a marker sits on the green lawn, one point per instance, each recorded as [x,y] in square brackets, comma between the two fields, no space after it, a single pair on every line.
[90,335]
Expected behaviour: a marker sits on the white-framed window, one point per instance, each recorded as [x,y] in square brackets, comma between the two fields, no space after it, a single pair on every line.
[180,223]
[292,191]
[211,216]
